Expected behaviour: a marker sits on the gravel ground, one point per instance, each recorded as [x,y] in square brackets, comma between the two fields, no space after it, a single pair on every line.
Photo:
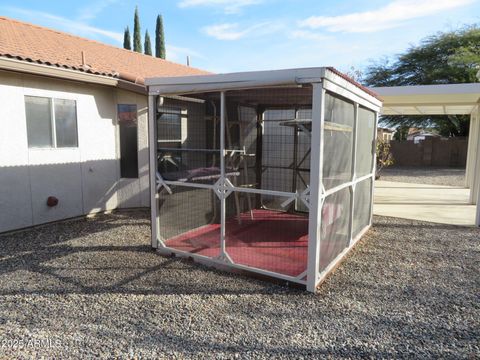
[92,287]
[421,175]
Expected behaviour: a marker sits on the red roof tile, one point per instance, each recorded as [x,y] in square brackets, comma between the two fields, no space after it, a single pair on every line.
[42,45]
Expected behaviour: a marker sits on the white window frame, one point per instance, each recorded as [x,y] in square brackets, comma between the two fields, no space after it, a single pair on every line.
[53,134]
[173,110]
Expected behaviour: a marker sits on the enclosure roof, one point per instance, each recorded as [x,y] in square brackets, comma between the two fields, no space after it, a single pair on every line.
[444,99]
[256,79]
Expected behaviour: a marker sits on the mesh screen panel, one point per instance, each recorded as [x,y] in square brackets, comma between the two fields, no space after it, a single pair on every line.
[334,236]
[189,220]
[286,152]
[362,208]
[262,123]
[267,147]
[365,138]
[188,140]
[268,239]
[338,141]
[261,230]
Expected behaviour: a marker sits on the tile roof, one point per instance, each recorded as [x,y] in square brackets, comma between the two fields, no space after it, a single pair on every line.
[37,44]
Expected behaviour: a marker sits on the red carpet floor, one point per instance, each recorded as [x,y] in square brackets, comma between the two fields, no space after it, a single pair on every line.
[272,241]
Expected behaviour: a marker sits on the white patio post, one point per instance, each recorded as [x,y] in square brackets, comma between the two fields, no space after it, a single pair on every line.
[152,142]
[476,179]
[316,168]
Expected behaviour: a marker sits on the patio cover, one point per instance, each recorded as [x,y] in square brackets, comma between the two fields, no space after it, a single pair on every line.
[444,99]
[451,99]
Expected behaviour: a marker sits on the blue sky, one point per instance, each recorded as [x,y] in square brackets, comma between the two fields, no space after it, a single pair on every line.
[242,35]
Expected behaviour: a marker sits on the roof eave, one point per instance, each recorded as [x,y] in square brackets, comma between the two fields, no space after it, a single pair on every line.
[130,86]
[50,71]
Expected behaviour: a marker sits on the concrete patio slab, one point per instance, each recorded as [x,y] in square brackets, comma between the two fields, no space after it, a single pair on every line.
[425,202]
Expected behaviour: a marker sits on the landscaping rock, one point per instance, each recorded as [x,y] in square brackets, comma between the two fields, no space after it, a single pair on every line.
[93,288]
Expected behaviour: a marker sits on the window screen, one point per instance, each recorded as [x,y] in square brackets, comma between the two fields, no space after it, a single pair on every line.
[39,121]
[51,123]
[169,124]
[128,141]
[66,123]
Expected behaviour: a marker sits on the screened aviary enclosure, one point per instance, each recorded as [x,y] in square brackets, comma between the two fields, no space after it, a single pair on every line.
[270,172]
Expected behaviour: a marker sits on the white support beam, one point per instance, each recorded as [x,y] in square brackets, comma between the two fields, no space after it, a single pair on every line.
[316,165]
[223,114]
[473,158]
[353,172]
[419,111]
[152,139]
[476,180]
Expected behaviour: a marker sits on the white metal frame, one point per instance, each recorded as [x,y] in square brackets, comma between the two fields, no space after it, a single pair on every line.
[314,276]
[321,80]
[472,147]
[472,176]
[476,177]
[152,139]
[316,175]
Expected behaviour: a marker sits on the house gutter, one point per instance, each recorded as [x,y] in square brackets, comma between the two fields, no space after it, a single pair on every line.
[131,82]
[124,81]
[50,71]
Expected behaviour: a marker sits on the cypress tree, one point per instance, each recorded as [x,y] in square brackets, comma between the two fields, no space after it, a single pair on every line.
[126,39]
[148,45]
[137,37]
[160,39]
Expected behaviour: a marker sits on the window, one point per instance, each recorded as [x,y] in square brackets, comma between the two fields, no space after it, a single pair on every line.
[169,125]
[127,118]
[66,123]
[51,123]
[169,135]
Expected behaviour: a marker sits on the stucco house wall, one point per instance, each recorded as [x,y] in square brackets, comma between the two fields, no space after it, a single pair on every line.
[85,179]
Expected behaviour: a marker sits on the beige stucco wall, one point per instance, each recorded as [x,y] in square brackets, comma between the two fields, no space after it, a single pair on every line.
[134,192]
[85,179]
